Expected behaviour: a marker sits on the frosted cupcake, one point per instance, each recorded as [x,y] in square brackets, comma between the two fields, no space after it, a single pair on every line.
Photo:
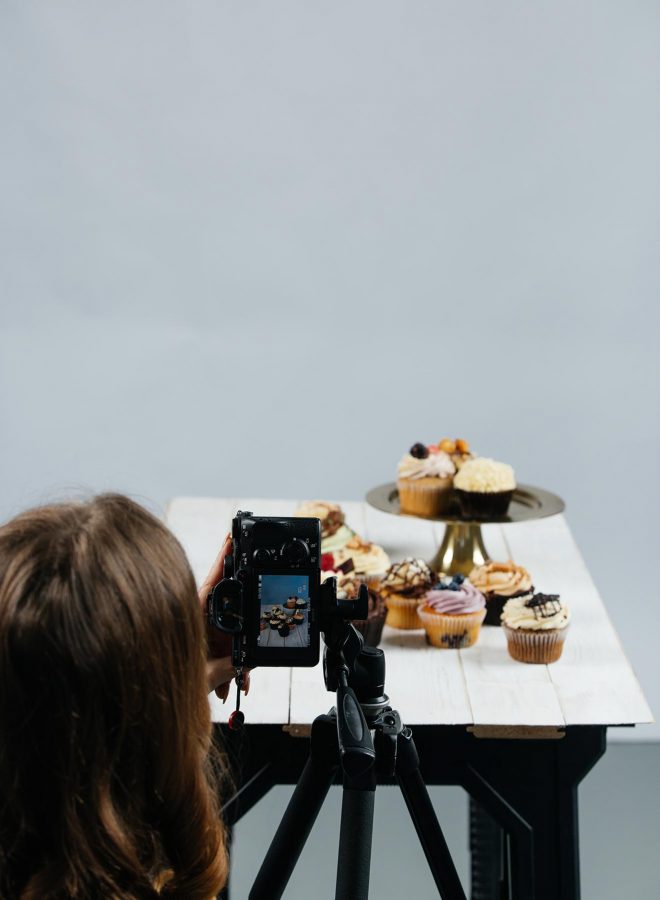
[402,588]
[370,562]
[452,613]
[499,582]
[334,531]
[458,450]
[535,627]
[424,481]
[484,488]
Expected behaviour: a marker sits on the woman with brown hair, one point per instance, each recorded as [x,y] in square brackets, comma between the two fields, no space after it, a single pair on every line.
[107,782]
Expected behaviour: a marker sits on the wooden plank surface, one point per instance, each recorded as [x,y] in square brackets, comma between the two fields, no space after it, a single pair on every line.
[593,683]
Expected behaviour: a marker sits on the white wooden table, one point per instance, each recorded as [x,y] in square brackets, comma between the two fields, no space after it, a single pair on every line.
[519,738]
[592,684]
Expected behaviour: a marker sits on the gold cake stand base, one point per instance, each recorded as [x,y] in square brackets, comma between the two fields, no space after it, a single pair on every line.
[462,545]
[462,549]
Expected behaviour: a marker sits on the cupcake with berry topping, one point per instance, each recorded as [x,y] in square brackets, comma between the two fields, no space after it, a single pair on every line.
[484,488]
[424,481]
[500,582]
[402,588]
[536,627]
[452,613]
[370,561]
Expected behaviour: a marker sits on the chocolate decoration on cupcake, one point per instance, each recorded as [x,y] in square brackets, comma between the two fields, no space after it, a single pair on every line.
[544,606]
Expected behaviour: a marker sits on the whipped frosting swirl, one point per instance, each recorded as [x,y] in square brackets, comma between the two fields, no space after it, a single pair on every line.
[368,559]
[503,579]
[435,465]
[467,599]
[485,475]
[541,612]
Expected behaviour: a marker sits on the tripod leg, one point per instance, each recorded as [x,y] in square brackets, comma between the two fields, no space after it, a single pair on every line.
[425,820]
[300,814]
[354,860]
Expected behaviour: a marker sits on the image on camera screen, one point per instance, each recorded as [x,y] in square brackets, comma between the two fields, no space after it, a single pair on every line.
[284,608]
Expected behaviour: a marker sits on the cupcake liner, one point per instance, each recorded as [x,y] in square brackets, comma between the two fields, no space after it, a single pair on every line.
[427,497]
[530,646]
[483,504]
[402,612]
[451,631]
[371,629]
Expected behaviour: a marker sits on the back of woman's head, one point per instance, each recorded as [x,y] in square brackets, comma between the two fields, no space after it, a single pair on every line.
[106,787]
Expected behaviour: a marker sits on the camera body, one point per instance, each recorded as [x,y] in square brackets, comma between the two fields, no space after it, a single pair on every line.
[270,597]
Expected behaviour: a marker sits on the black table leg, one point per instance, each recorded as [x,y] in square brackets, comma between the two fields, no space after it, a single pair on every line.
[528,787]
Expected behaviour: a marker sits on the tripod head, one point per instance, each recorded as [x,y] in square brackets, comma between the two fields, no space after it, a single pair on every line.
[357,674]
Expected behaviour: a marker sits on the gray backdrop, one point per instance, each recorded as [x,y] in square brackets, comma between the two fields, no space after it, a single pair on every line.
[260,248]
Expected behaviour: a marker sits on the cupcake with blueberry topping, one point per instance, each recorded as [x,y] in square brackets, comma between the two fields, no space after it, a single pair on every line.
[500,582]
[536,627]
[424,481]
[402,588]
[452,613]
[484,488]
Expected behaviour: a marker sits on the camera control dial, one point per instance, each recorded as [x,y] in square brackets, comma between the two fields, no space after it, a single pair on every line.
[295,552]
[261,556]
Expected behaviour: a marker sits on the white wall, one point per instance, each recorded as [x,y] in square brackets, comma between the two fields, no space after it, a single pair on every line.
[261,248]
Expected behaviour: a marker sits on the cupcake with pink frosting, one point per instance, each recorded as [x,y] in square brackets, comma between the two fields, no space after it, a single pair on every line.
[452,612]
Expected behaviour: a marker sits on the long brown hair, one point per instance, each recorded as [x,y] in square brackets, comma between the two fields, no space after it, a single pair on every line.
[107,788]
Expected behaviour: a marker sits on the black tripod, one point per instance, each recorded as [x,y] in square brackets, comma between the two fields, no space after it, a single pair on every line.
[342,738]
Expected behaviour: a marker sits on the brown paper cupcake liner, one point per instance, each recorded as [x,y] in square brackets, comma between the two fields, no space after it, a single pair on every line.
[423,498]
[402,612]
[451,631]
[530,646]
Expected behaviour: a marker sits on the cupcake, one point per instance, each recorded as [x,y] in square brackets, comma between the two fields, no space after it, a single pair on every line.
[500,582]
[348,585]
[274,624]
[452,613]
[330,514]
[300,603]
[458,450]
[424,481]
[402,587]
[370,562]
[283,629]
[535,627]
[298,618]
[484,488]
[291,602]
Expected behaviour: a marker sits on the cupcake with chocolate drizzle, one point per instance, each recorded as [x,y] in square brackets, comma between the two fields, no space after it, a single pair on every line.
[536,627]
[424,481]
[402,587]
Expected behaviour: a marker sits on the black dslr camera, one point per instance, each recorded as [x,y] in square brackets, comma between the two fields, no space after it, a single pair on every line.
[271,599]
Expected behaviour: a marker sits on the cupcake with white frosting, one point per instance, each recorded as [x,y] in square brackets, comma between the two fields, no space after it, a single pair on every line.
[424,481]
[334,530]
[484,488]
[536,627]
[370,561]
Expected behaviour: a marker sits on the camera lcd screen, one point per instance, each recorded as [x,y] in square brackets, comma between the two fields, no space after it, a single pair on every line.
[284,611]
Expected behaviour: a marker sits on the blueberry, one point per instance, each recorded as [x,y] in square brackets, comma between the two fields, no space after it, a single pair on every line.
[459,579]
[419,451]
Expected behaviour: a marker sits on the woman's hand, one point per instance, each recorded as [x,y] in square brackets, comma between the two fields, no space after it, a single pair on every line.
[220,671]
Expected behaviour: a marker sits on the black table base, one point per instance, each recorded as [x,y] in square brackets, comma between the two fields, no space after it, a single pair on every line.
[523,816]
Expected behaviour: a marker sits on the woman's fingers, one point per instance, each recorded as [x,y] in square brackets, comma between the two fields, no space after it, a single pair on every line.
[215,573]
[219,675]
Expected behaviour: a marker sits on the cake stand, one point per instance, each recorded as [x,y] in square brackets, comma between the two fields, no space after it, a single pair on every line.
[462,545]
